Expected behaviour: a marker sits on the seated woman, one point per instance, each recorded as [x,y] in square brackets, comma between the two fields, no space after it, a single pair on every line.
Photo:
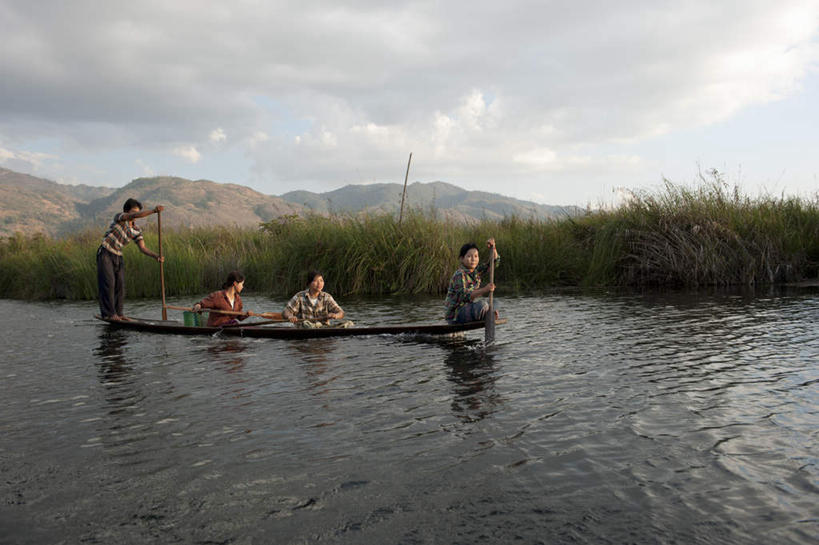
[313,307]
[462,304]
[225,299]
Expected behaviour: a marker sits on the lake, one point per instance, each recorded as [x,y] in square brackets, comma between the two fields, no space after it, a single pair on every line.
[687,418]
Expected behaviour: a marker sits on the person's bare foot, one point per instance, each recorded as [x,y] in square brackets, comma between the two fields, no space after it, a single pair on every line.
[124,318]
[114,317]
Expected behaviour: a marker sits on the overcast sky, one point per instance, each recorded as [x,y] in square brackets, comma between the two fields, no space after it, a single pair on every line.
[552,101]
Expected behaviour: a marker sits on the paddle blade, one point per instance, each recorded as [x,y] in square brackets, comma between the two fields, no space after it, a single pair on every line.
[490,326]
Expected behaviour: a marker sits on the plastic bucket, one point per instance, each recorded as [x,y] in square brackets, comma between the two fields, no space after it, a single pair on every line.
[192,319]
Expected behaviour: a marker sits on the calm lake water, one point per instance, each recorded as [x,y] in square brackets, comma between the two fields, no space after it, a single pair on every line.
[595,418]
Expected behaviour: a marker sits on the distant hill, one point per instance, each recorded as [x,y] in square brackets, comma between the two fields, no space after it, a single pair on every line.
[29,204]
[195,203]
[444,199]
[34,205]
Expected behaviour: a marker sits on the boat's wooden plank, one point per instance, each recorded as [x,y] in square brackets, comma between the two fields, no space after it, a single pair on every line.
[286,332]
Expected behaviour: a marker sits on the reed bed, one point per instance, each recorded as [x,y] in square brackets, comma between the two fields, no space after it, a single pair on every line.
[710,235]
[713,235]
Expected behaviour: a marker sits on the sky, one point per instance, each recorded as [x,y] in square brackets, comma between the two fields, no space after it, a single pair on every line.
[550,101]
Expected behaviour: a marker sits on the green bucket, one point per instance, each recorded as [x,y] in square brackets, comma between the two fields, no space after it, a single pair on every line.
[192,319]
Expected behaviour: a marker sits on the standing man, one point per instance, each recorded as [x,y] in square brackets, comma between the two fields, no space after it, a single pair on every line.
[110,264]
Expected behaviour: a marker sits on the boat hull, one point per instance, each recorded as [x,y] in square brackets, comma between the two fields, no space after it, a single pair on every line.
[288,332]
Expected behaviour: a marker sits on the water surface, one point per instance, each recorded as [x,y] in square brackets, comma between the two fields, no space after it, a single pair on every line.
[604,418]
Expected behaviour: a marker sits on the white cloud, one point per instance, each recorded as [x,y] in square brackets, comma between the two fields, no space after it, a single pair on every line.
[257,138]
[189,153]
[24,160]
[217,135]
[537,157]
[145,168]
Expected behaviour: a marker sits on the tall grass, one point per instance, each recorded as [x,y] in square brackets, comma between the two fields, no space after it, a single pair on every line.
[714,235]
[707,235]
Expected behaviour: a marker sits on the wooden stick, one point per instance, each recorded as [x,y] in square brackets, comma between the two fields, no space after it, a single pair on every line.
[272,315]
[490,316]
[161,264]
[247,324]
[404,194]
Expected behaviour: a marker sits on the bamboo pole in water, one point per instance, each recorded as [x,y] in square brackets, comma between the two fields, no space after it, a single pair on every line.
[490,316]
[161,264]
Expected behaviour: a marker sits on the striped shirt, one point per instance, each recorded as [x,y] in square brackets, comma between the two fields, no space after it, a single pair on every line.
[119,234]
[303,308]
[461,286]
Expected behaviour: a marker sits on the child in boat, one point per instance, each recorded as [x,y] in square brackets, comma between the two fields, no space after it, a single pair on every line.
[462,304]
[313,307]
[227,298]
[110,263]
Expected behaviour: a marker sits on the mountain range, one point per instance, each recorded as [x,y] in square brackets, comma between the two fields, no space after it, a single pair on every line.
[35,205]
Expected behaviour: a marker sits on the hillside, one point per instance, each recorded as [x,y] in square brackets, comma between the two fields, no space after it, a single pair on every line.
[444,199]
[29,204]
[34,205]
[195,203]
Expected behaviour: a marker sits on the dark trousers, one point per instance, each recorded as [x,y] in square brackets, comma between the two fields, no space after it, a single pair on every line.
[111,282]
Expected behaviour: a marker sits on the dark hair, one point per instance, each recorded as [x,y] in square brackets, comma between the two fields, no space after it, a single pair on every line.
[233,276]
[466,247]
[131,203]
[312,275]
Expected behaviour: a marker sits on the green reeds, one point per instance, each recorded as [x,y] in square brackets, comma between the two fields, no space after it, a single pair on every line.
[708,235]
[714,235]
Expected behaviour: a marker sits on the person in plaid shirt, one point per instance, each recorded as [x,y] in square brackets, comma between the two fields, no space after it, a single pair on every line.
[464,287]
[110,265]
[313,305]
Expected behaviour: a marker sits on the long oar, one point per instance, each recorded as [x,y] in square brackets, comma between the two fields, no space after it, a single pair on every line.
[161,264]
[490,316]
[269,315]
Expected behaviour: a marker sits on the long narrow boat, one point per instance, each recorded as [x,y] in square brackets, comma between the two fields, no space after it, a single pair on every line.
[288,332]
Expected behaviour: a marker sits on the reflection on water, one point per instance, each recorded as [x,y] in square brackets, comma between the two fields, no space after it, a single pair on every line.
[314,357]
[471,369]
[229,353]
[637,418]
[110,354]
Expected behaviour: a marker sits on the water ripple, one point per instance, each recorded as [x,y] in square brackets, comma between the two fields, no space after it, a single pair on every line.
[651,418]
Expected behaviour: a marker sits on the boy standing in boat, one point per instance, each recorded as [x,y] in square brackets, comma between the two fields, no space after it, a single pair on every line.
[462,304]
[110,263]
[313,307]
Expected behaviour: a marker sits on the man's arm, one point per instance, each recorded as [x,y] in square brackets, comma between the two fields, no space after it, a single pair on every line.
[149,253]
[128,216]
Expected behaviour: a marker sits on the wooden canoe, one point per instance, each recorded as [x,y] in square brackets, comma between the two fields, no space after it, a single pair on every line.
[289,332]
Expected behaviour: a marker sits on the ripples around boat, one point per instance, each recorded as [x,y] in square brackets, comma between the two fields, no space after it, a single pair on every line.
[602,418]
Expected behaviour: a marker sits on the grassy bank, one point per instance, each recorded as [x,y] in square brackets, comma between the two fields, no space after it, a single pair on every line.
[710,235]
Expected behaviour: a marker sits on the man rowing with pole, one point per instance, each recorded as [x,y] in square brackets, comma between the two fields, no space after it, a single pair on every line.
[110,263]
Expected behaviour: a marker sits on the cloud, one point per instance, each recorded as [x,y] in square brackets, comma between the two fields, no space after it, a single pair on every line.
[217,135]
[318,93]
[25,161]
[145,168]
[188,153]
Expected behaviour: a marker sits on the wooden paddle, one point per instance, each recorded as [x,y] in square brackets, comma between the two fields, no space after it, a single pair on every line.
[161,264]
[273,316]
[490,316]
